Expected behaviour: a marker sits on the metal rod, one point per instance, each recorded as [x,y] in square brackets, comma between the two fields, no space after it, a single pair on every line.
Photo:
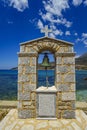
[47,83]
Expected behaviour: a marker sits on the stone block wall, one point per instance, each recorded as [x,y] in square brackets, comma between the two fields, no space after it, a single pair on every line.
[65,84]
[64,74]
[27,84]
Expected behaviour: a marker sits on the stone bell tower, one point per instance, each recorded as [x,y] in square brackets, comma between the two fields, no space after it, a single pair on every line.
[56,103]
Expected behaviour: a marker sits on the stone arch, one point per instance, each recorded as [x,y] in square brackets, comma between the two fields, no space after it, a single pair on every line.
[50,54]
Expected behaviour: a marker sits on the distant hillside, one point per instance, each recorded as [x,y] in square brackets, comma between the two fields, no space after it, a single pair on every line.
[82,60]
[81,63]
[15,68]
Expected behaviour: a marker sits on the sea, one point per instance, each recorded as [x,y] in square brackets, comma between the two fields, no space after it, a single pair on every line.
[9,78]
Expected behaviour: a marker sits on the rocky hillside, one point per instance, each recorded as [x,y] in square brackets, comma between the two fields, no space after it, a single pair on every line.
[81,62]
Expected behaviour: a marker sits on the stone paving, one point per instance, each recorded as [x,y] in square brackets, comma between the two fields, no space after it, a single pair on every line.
[11,122]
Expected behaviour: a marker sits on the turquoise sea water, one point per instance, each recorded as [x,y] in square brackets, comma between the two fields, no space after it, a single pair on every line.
[8,83]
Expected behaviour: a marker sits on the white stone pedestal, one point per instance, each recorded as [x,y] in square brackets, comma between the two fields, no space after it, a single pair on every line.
[46,104]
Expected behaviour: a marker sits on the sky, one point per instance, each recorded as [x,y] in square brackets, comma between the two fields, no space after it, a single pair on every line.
[22,20]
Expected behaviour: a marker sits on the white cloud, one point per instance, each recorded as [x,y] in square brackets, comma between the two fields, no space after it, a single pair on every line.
[52,35]
[20,5]
[84,35]
[49,17]
[67,33]
[77,2]
[83,39]
[58,32]
[68,24]
[76,34]
[78,40]
[85,2]
[56,7]
[52,13]
[40,24]
[55,31]
[10,22]
[33,21]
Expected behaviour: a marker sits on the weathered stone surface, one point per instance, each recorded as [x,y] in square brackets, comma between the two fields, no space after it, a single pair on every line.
[33,79]
[55,124]
[68,96]
[70,49]
[19,105]
[62,69]
[61,50]
[68,114]
[27,79]
[34,61]
[72,68]
[30,69]
[24,96]
[22,48]
[75,126]
[73,88]
[47,105]
[24,113]
[58,60]
[31,50]
[73,105]
[20,86]
[59,114]
[59,96]
[26,49]
[68,60]
[33,96]
[41,125]
[63,107]
[66,49]
[28,107]
[29,87]
[27,103]
[23,78]
[24,60]
[63,87]
[61,103]
[20,69]
[59,78]
[27,127]
[69,78]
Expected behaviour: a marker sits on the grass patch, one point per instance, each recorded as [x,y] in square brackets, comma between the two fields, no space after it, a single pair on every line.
[3,113]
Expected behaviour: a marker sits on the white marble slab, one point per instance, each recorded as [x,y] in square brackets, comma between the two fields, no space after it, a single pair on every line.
[46,104]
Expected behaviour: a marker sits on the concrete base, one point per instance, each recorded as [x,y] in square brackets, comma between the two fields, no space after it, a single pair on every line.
[11,122]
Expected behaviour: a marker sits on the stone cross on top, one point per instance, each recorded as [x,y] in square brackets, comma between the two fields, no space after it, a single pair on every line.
[46,30]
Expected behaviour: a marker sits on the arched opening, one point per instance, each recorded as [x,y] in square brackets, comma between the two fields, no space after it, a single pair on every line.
[46,69]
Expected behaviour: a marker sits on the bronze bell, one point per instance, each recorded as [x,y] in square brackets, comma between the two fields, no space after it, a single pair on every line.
[45,62]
